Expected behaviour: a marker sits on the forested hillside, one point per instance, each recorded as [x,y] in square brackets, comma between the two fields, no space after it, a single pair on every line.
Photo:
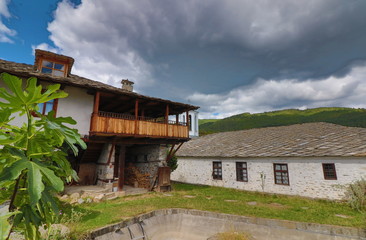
[342,116]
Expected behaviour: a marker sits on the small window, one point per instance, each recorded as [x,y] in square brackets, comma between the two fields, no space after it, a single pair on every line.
[217,170]
[281,174]
[190,122]
[53,68]
[241,172]
[45,108]
[329,171]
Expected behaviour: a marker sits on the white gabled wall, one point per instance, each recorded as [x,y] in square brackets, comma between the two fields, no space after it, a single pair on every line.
[306,175]
[79,106]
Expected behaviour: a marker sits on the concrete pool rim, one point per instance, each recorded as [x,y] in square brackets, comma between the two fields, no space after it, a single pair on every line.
[332,230]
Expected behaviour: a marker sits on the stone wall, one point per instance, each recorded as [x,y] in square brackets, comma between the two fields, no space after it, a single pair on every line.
[305,175]
[104,170]
[147,158]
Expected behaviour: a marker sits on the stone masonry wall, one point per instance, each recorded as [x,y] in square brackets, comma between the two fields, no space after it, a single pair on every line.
[105,172]
[305,175]
[147,158]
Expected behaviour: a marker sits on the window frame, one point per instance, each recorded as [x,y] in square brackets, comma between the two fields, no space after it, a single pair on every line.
[239,172]
[326,171]
[53,69]
[42,111]
[218,168]
[282,174]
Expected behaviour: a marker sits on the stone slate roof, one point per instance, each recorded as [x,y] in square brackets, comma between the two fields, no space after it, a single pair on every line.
[300,140]
[27,70]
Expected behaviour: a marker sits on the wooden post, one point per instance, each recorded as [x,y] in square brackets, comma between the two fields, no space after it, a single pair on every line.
[94,119]
[177,119]
[136,116]
[121,165]
[167,119]
[143,114]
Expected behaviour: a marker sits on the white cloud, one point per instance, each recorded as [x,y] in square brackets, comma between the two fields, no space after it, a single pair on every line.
[5,32]
[46,47]
[269,95]
[114,39]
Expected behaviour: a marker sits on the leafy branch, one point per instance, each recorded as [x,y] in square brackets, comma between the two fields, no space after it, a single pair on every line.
[33,158]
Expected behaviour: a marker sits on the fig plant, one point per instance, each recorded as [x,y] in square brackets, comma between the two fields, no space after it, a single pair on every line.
[33,155]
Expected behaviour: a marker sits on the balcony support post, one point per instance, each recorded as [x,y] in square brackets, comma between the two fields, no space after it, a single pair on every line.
[94,119]
[177,119]
[136,116]
[121,166]
[167,119]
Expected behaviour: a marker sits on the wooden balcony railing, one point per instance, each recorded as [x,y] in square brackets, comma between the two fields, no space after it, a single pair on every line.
[123,124]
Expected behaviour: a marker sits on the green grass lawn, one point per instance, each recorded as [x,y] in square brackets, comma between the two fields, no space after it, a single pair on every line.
[213,199]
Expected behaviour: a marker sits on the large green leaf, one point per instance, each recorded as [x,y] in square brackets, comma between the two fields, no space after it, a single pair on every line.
[35,184]
[13,171]
[5,226]
[54,181]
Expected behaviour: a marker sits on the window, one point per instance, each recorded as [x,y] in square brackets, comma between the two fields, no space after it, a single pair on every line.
[190,122]
[241,172]
[45,108]
[329,171]
[53,68]
[217,170]
[281,174]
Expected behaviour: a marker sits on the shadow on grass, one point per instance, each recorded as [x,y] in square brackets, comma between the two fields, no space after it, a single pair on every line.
[177,186]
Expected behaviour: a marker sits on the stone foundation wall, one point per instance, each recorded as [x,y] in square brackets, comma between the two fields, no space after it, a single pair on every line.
[306,176]
[147,158]
[105,170]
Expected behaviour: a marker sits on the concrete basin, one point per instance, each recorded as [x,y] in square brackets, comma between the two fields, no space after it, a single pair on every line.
[183,224]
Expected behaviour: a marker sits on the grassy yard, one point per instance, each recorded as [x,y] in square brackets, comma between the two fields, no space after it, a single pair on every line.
[213,199]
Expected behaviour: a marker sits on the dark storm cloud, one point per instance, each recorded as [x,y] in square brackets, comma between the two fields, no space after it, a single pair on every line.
[217,49]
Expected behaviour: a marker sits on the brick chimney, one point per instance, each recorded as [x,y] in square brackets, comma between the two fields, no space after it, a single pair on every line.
[127,85]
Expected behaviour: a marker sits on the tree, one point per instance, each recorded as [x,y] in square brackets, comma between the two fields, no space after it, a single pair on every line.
[33,163]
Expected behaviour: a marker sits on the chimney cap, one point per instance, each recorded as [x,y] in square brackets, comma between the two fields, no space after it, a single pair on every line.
[127,85]
[126,81]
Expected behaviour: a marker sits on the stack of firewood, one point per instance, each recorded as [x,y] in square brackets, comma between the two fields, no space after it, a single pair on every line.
[135,177]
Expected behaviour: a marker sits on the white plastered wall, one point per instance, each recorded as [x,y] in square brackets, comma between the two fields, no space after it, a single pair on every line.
[78,105]
[305,174]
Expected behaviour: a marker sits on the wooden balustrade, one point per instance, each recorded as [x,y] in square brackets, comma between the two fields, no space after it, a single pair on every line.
[116,123]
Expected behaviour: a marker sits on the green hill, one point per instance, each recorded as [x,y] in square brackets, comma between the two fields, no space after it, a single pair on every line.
[342,116]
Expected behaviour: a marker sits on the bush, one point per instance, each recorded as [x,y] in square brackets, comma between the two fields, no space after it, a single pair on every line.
[173,163]
[356,195]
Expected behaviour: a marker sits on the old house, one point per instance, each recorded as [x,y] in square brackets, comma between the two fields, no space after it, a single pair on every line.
[313,160]
[126,133]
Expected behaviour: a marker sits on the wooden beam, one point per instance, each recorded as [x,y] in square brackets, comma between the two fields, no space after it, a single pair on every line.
[93,120]
[167,119]
[168,157]
[172,152]
[136,116]
[121,165]
[96,102]
[143,113]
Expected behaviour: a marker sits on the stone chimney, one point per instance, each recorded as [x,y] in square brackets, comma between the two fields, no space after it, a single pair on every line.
[127,85]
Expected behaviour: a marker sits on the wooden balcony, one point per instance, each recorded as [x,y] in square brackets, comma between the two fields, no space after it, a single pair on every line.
[107,123]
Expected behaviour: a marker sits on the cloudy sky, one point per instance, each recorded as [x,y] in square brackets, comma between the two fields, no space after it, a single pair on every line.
[227,57]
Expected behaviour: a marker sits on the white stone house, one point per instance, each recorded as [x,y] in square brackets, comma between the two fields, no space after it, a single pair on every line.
[316,160]
[120,127]
[193,120]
